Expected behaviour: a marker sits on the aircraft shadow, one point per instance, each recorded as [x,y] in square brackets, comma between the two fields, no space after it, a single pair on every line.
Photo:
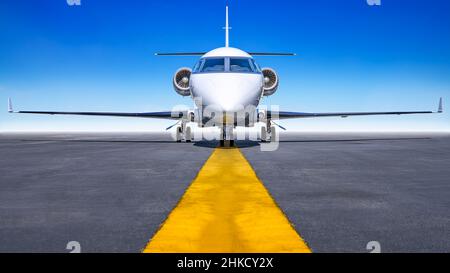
[203,143]
[250,143]
[357,139]
[215,144]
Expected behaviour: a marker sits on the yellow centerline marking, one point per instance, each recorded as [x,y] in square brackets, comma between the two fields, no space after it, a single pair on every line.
[226,209]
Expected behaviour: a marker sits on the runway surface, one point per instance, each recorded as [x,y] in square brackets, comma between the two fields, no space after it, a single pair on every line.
[113,192]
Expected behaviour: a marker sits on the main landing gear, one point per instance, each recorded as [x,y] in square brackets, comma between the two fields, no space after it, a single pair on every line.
[183,132]
[268,133]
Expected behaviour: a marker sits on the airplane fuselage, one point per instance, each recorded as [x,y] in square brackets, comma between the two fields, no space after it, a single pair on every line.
[227,86]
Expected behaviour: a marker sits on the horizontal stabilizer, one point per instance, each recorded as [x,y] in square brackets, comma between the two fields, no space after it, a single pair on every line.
[180,54]
[272,54]
[203,53]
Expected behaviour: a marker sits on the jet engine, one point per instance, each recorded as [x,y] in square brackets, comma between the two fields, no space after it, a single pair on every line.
[181,81]
[270,81]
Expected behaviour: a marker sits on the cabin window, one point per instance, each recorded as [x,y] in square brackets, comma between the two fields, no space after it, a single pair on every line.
[213,65]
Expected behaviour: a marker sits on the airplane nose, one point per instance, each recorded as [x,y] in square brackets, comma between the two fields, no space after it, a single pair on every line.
[228,92]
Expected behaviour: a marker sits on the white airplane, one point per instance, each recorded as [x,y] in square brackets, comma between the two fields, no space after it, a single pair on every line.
[226,85]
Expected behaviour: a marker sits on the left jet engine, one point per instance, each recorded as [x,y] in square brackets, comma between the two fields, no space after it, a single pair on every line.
[181,81]
[270,81]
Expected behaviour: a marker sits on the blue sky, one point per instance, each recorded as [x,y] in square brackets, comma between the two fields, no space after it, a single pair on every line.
[99,57]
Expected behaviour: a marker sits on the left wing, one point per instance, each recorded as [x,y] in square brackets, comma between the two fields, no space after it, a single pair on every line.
[160,115]
[287,115]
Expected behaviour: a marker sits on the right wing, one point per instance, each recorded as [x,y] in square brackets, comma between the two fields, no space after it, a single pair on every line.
[160,115]
[289,115]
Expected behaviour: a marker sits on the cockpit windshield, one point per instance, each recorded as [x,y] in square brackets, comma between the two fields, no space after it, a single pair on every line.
[255,66]
[213,65]
[227,64]
[240,65]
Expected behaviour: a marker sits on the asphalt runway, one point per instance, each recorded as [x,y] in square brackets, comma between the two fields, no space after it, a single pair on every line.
[112,192]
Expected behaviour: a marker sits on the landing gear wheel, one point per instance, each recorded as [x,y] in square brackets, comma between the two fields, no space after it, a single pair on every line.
[226,143]
[263,134]
[178,134]
[273,134]
[227,138]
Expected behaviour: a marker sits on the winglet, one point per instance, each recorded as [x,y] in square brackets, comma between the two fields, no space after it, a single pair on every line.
[440,110]
[10,107]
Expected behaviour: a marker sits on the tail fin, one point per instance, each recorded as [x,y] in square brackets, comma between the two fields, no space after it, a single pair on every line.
[227,44]
[227,28]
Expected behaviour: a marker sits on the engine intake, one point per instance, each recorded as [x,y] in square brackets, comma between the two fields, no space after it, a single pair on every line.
[181,81]
[270,81]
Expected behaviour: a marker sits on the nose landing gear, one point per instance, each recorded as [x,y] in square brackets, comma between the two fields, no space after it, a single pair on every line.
[227,136]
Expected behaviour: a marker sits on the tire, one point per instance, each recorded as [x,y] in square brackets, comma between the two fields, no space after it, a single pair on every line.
[178,134]
[273,134]
[188,134]
[263,134]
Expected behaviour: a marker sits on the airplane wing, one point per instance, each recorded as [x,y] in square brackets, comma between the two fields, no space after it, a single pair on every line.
[160,115]
[288,115]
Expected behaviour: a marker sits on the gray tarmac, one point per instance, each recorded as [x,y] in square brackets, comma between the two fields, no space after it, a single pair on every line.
[111,192]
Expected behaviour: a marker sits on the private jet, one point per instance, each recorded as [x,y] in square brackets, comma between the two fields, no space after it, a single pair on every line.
[226,85]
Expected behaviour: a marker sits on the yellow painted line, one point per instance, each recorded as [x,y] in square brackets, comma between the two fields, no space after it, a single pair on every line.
[226,209]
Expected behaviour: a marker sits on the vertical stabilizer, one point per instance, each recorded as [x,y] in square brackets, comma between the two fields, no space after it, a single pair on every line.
[227,28]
